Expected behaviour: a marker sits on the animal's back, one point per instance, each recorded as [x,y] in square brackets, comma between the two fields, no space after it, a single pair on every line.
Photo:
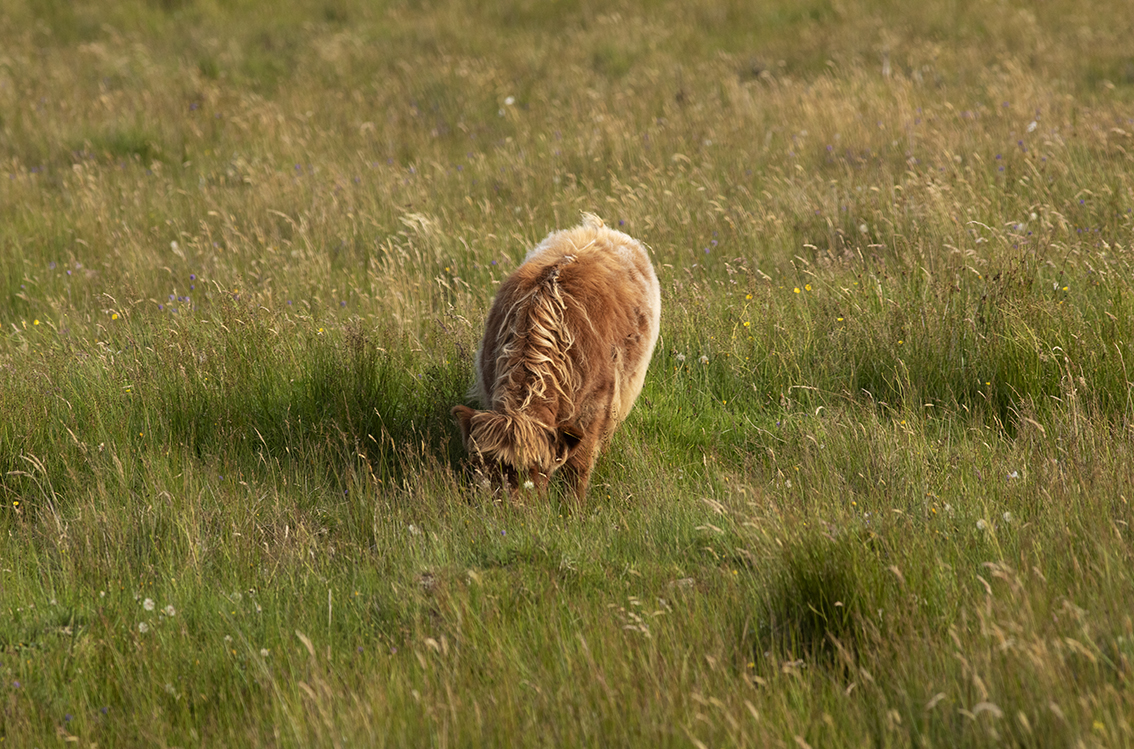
[611,304]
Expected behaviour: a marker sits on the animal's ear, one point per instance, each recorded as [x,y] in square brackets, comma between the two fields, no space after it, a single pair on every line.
[463,416]
[568,439]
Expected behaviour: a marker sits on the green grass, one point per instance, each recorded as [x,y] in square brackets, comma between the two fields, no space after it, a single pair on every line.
[876,490]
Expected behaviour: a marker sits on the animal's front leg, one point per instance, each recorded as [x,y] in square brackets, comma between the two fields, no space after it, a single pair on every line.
[577,469]
[538,480]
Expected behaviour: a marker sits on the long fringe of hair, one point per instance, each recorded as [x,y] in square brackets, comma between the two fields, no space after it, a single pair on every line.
[514,439]
[532,367]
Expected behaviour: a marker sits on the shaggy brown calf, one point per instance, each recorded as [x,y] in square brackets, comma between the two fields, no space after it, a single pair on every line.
[564,355]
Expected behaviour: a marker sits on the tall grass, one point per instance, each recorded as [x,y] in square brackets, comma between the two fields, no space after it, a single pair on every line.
[877,487]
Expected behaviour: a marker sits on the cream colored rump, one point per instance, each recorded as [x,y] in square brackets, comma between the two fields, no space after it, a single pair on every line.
[592,235]
[639,288]
[627,289]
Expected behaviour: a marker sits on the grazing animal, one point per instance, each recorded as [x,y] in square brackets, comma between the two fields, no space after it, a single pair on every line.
[564,355]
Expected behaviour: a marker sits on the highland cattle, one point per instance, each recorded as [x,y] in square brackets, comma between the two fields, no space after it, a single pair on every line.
[566,346]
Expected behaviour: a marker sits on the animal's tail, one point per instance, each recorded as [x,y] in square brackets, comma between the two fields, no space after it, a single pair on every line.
[591,221]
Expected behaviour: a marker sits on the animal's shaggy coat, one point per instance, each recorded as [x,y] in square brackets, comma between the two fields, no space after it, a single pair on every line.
[565,351]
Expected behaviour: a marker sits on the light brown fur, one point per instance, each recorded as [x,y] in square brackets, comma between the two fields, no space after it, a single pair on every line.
[564,355]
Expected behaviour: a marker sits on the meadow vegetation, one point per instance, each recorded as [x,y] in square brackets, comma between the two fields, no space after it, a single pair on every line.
[876,490]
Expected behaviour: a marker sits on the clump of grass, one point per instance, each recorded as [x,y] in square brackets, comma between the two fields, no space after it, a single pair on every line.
[122,143]
[827,597]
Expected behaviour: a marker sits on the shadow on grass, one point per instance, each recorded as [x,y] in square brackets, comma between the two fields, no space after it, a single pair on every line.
[338,410]
[351,405]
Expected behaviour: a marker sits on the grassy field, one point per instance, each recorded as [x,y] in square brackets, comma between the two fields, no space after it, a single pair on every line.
[876,491]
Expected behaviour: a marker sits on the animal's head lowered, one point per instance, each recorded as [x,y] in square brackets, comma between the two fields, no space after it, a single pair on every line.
[514,451]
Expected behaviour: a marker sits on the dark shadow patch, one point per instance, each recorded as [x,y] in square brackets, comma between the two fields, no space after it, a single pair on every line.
[819,607]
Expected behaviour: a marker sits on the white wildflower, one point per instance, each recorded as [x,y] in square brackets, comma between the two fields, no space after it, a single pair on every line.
[1007,517]
[1014,475]
[510,101]
[681,358]
[529,484]
[148,604]
[264,652]
[143,627]
[981,525]
[169,610]
[1032,126]
[704,359]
